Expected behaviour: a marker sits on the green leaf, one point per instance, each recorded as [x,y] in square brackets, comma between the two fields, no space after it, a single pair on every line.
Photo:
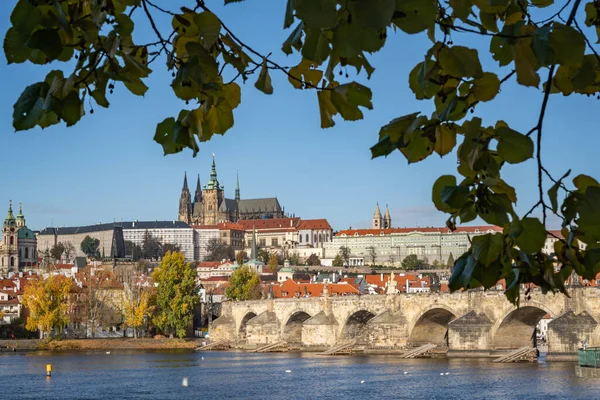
[209,27]
[295,39]
[568,45]
[414,16]
[487,248]
[455,196]
[585,76]
[540,43]
[136,86]
[348,97]
[461,8]
[47,41]
[462,272]
[417,146]
[14,47]
[582,182]
[316,46]
[304,72]
[263,83]
[25,17]
[124,25]
[71,108]
[320,14]
[532,237]
[220,118]
[460,62]
[29,107]
[445,139]
[553,192]
[382,148]
[486,87]
[513,146]
[542,3]
[289,14]
[489,21]
[494,214]
[376,14]
[164,136]
[100,98]
[436,194]
[526,64]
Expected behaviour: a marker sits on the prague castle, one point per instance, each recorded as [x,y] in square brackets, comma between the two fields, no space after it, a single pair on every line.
[210,206]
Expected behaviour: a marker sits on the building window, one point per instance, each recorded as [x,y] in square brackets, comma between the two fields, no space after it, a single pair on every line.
[26,252]
[20,253]
[262,242]
[12,261]
[12,240]
[274,242]
[300,236]
[320,238]
[307,238]
[315,237]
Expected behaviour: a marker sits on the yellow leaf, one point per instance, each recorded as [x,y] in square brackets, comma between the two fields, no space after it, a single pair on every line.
[445,139]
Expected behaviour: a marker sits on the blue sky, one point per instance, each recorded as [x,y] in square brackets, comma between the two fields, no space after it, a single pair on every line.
[108,166]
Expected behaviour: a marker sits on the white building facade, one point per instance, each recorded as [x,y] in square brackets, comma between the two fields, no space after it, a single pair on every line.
[394,244]
[202,235]
[172,232]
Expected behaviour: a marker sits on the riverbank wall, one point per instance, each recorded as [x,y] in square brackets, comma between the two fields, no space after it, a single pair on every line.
[99,344]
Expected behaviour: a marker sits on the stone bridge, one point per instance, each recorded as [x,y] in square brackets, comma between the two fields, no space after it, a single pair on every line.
[473,322]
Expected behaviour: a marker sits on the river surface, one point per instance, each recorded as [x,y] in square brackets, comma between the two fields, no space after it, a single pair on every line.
[236,375]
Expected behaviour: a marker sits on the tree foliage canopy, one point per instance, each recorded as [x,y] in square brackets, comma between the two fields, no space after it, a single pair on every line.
[57,251]
[207,61]
[244,284]
[176,294]
[412,262]
[47,303]
[89,247]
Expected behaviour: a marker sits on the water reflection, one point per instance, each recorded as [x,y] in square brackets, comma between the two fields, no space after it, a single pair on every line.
[234,375]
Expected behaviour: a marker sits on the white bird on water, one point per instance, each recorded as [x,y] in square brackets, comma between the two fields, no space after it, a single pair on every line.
[362,382]
[203,358]
[108,352]
[447,373]
[405,372]
[184,382]
[441,373]
[288,370]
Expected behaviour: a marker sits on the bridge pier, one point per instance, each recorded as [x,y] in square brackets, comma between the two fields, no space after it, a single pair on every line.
[263,329]
[470,336]
[320,330]
[566,332]
[388,329]
[222,328]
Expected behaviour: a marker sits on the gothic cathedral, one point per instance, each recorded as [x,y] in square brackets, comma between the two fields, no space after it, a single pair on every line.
[210,206]
[379,222]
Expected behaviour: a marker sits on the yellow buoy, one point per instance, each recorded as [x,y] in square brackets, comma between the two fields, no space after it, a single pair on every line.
[48,369]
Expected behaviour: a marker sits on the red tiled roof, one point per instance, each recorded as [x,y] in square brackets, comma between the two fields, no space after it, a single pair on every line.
[389,231]
[64,266]
[205,226]
[314,224]
[292,288]
[272,223]
[209,264]
[231,225]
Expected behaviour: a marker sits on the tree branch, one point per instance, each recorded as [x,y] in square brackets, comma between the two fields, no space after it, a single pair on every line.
[154,28]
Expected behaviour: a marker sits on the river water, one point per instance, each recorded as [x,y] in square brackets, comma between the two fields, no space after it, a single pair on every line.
[236,375]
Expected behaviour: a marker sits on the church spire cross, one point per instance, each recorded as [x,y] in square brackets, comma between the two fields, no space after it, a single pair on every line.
[237,186]
[213,183]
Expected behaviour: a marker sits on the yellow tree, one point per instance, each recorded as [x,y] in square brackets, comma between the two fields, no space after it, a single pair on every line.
[47,304]
[272,265]
[244,284]
[136,306]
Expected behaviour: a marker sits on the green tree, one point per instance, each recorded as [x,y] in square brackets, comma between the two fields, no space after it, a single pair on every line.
[436,264]
[272,264]
[133,250]
[57,251]
[338,261]
[207,63]
[295,258]
[345,254]
[313,260]
[151,247]
[244,284]
[176,294]
[372,252]
[241,258]
[69,250]
[264,256]
[412,262]
[89,247]
[218,251]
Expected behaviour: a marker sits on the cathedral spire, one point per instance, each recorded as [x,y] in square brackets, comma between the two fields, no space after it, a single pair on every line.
[185,185]
[387,219]
[198,194]
[214,182]
[237,186]
[377,219]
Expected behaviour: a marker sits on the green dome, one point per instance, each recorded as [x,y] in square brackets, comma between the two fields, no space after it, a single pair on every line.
[26,233]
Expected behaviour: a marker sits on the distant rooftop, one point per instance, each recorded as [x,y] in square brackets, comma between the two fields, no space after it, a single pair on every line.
[72,230]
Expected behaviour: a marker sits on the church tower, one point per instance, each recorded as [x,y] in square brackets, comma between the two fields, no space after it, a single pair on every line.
[9,256]
[237,187]
[198,193]
[387,219]
[377,219]
[185,203]
[212,197]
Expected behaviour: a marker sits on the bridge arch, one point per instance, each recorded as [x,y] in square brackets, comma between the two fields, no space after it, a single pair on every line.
[355,326]
[244,322]
[431,325]
[516,326]
[291,331]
